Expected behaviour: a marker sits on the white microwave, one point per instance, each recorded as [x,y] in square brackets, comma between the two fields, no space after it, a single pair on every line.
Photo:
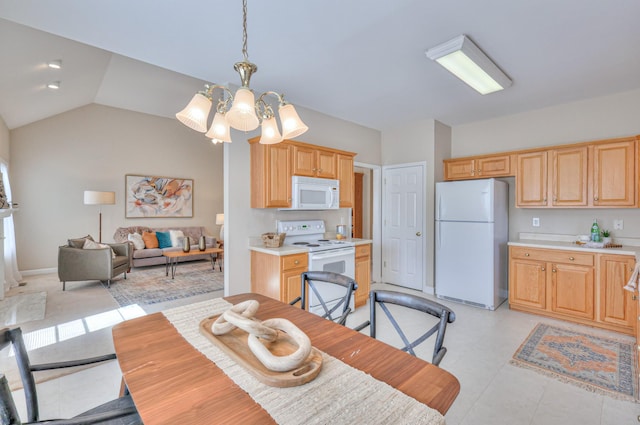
[311,193]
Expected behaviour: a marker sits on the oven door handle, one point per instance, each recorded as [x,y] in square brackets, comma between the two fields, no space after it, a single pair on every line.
[332,253]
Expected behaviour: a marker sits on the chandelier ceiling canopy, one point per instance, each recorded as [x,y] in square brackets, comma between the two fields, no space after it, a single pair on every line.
[245,113]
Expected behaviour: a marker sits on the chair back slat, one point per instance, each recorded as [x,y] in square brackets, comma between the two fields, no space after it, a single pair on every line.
[24,367]
[8,412]
[309,282]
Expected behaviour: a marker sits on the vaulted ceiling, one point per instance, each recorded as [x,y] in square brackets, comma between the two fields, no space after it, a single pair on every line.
[360,60]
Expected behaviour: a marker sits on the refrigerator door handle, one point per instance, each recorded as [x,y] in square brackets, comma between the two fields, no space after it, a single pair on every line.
[439,231]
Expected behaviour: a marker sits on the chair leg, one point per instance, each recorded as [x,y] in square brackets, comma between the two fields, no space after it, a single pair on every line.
[108,283]
[125,275]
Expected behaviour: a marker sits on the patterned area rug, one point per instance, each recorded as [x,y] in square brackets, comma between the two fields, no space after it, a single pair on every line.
[149,285]
[22,308]
[596,363]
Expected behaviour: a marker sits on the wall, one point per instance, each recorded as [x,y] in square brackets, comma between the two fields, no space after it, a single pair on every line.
[245,223]
[92,148]
[4,141]
[428,141]
[594,119]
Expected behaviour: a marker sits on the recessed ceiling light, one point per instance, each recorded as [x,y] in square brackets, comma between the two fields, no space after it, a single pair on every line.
[466,61]
[55,64]
[54,85]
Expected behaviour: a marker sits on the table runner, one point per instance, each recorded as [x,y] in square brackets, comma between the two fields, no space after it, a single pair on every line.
[340,394]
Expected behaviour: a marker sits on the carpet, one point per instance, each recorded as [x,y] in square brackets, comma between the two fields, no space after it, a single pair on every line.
[598,364]
[22,308]
[149,285]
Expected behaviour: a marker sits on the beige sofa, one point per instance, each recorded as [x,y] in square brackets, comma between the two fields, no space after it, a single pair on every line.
[153,256]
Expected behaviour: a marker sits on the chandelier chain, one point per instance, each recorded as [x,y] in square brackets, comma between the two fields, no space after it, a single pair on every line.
[244,31]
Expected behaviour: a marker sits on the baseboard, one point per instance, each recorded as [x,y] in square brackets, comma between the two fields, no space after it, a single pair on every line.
[38,271]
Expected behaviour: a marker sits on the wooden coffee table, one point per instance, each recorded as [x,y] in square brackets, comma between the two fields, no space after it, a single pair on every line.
[172,258]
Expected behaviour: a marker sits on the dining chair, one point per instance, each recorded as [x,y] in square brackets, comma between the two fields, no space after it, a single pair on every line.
[443,313]
[333,292]
[120,411]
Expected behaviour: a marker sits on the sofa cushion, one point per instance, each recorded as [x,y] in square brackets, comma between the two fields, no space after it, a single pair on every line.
[164,239]
[176,237]
[121,233]
[150,240]
[78,242]
[147,253]
[136,239]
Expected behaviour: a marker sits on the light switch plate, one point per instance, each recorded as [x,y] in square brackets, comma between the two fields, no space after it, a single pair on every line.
[618,224]
[535,222]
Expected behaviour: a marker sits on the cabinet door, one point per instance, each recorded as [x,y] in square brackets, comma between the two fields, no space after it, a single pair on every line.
[569,177]
[304,161]
[531,180]
[617,306]
[363,274]
[613,174]
[291,286]
[345,176]
[493,166]
[326,165]
[459,169]
[278,179]
[527,283]
[572,290]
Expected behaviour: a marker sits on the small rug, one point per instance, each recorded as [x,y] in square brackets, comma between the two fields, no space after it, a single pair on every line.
[23,308]
[599,364]
[150,285]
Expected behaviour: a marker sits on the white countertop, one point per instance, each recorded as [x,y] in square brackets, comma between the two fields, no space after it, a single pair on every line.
[289,249]
[572,246]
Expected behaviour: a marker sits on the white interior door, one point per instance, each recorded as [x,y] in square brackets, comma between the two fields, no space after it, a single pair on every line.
[403,226]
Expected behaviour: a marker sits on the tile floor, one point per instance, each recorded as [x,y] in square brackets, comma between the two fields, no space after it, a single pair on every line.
[480,344]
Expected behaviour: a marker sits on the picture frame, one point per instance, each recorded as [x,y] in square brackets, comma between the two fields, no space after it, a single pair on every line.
[158,196]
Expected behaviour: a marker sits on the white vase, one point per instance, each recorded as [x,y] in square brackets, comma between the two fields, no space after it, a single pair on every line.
[606,240]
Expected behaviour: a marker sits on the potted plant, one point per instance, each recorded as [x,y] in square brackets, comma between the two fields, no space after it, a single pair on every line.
[606,237]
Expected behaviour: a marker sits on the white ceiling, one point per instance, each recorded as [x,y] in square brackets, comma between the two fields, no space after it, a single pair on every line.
[359,60]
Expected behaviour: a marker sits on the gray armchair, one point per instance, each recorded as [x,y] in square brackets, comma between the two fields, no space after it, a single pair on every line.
[93,264]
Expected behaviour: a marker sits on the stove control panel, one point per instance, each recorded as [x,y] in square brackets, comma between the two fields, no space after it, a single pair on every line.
[300,227]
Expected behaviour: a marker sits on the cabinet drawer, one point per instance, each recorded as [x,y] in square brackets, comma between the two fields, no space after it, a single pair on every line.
[556,256]
[363,250]
[294,261]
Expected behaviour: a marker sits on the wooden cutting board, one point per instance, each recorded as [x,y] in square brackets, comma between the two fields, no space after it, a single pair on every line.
[234,344]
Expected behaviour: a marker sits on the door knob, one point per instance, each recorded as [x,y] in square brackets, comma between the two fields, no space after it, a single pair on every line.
[418,233]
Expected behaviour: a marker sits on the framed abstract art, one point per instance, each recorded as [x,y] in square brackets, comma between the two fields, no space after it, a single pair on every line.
[157,196]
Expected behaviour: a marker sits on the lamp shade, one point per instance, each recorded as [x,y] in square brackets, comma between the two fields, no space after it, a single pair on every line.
[242,115]
[195,114]
[220,219]
[292,125]
[219,129]
[93,197]
[270,132]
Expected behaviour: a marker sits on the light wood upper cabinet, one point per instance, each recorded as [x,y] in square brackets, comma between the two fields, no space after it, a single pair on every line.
[478,167]
[569,177]
[311,162]
[270,176]
[346,178]
[613,174]
[531,179]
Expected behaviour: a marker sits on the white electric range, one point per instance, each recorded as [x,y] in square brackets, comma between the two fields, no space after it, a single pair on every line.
[329,255]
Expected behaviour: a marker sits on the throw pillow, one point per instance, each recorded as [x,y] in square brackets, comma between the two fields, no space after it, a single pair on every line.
[78,242]
[136,238]
[91,244]
[150,240]
[164,240]
[176,237]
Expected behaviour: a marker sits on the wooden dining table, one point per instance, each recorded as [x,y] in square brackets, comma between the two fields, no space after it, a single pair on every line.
[173,383]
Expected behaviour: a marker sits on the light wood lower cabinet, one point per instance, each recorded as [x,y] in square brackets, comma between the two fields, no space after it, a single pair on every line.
[277,277]
[578,286]
[363,274]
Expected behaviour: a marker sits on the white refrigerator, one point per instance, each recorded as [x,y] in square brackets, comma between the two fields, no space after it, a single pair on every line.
[472,231]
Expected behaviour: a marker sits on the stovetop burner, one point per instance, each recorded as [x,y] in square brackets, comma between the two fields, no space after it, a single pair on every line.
[323,240]
[311,245]
[300,243]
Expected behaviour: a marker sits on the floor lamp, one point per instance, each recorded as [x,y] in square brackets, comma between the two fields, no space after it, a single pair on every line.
[220,222]
[92,197]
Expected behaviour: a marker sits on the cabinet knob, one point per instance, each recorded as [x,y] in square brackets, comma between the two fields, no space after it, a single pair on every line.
[296,262]
[555,199]
[544,200]
[553,270]
[595,198]
[526,254]
[571,258]
[543,269]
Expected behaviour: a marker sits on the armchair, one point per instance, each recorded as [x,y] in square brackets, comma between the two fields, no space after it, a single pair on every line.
[93,264]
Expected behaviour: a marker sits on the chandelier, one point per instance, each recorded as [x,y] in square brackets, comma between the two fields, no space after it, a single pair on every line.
[245,113]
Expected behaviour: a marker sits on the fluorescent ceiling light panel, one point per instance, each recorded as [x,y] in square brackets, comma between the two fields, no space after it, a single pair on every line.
[466,61]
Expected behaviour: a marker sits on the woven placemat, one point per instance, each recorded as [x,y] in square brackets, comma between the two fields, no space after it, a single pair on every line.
[340,394]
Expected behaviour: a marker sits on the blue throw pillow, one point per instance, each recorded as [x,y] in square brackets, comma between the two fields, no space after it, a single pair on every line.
[164,239]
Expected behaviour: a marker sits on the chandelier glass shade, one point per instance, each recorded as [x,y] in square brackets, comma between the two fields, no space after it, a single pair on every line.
[241,111]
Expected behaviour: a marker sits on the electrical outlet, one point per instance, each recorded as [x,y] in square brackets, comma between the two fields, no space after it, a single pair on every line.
[618,224]
[535,222]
